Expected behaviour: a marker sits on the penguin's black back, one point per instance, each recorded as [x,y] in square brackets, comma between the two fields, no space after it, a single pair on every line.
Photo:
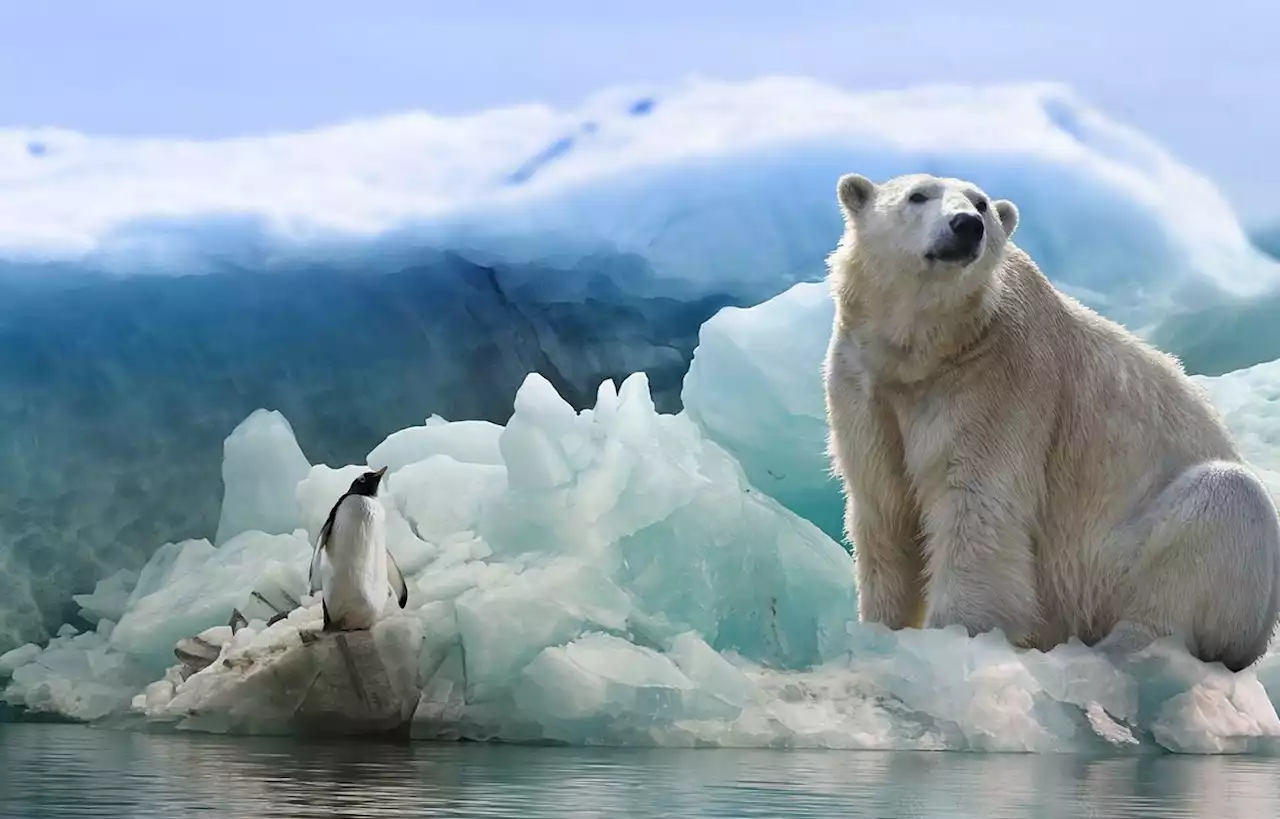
[366,485]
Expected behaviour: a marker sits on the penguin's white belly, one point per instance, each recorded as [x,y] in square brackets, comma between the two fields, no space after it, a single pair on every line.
[354,568]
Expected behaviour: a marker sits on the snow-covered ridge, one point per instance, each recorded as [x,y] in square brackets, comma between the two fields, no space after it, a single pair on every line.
[701,165]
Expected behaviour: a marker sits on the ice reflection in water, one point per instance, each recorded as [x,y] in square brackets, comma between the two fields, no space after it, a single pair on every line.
[57,771]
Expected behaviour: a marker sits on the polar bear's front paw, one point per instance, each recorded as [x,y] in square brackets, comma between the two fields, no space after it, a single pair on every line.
[1127,639]
[977,622]
[942,618]
[981,604]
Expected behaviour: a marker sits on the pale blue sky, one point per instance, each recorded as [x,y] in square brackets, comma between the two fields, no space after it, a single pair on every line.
[1201,77]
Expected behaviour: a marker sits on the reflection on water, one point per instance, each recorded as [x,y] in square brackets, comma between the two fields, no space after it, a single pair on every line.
[54,771]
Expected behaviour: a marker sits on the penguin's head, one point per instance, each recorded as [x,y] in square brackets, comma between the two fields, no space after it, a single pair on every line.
[367,484]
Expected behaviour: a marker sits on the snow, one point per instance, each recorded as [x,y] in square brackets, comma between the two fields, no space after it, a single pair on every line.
[674,176]
[612,578]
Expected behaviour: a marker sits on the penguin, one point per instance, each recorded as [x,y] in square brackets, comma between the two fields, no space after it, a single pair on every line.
[351,566]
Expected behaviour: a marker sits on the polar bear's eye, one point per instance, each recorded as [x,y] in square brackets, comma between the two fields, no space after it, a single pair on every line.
[917,198]
[981,205]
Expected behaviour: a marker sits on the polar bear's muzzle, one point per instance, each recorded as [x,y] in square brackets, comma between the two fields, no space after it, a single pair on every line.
[962,242]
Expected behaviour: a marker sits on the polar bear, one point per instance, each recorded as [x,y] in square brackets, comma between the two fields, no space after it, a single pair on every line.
[1013,460]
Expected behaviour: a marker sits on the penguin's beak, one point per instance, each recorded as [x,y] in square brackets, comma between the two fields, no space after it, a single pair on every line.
[380,472]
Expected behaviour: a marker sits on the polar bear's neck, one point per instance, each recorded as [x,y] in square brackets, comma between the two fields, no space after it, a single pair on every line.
[905,334]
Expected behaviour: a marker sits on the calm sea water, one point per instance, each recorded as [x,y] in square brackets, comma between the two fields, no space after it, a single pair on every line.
[56,771]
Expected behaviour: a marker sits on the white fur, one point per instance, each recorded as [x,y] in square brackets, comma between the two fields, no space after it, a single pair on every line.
[1013,460]
[353,564]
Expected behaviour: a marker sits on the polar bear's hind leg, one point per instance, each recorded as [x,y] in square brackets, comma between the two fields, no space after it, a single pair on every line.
[1209,572]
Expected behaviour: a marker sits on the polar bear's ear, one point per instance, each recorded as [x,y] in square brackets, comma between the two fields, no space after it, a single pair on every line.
[854,192]
[1008,213]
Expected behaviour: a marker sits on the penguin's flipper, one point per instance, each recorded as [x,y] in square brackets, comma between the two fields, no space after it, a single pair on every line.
[313,575]
[328,624]
[396,578]
[314,581]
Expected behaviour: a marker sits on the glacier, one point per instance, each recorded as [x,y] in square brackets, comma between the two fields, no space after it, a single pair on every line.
[626,532]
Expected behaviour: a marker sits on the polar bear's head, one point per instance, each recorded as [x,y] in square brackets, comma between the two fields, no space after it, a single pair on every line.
[925,225]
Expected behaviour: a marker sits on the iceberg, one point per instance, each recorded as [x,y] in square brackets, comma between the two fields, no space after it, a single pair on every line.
[618,521]
[353,278]
[603,576]
[643,547]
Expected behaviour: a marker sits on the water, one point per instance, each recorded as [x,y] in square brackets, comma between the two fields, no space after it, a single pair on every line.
[62,771]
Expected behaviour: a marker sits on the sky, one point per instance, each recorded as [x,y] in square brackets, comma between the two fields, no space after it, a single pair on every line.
[1201,78]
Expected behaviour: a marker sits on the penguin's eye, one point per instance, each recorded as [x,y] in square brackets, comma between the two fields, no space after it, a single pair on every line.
[981,205]
[917,198]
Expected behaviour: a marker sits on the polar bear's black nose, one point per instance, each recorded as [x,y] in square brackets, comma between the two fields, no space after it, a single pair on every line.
[967,226]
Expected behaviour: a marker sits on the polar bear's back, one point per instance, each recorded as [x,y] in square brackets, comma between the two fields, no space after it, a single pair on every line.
[1122,419]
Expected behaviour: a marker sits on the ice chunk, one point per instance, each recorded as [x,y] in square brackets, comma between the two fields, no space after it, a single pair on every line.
[441,496]
[110,597]
[18,657]
[78,677]
[710,670]
[670,516]
[614,579]
[506,623]
[261,468]
[201,586]
[758,371]
[280,681]
[1215,711]
[469,442]
[1249,401]
[599,678]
